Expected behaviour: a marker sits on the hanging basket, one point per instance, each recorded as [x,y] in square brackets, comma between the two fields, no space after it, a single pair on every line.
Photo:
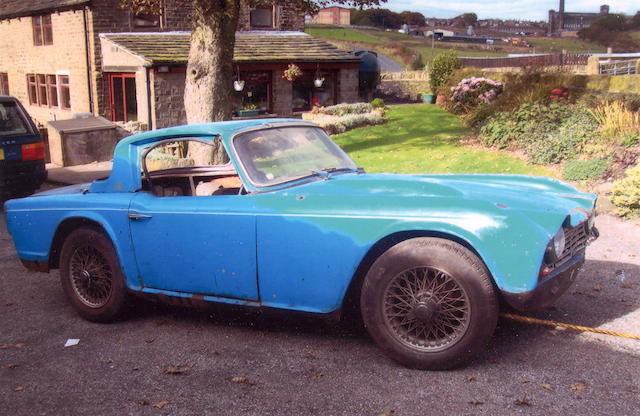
[292,72]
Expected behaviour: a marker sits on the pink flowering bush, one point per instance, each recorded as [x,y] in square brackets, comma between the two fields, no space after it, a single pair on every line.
[471,92]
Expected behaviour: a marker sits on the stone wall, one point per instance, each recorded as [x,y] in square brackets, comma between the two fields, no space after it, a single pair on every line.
[348,81]
[168,99]
[65,57]
[403,86]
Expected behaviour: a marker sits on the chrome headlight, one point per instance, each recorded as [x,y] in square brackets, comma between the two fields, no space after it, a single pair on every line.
[556,247]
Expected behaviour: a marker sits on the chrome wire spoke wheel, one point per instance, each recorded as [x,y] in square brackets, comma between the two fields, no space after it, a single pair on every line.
[91,276]
[426,309]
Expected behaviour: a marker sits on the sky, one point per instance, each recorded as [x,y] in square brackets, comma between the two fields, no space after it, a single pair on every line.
[507,9]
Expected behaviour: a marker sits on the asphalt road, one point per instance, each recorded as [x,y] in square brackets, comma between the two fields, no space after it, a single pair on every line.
[236,362]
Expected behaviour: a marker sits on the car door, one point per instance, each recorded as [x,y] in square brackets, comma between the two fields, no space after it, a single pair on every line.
[196,244]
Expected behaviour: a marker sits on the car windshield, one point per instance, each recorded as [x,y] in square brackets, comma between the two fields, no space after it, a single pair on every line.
[11,121]
[276,155]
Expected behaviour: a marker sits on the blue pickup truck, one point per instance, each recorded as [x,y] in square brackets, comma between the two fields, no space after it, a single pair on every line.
[22,165]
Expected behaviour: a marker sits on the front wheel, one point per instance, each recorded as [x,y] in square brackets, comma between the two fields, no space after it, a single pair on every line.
[429,303]
[91,276]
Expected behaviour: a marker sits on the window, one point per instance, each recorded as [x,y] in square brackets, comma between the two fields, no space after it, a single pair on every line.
[187,167]
[4,83]
[256,93]
[43,90]
[143,20]
[42,30]
[306,94]
[261,17]
[124,105]
[65,92]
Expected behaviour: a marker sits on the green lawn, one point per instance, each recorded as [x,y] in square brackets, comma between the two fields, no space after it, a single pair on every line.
[347,35]
[571,45]
[426,139]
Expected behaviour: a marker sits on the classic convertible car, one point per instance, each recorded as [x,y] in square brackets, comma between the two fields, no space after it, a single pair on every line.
[289,221]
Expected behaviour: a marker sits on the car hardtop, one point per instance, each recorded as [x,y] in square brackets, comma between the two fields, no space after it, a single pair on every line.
[126,171]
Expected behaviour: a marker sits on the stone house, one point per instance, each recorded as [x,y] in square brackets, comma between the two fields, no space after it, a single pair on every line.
[64,57]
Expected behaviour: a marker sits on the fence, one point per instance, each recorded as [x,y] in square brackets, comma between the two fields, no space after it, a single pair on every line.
[557,59]
[619,67]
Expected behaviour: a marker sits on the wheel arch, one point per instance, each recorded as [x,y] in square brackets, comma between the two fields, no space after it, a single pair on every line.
[351,300]
[66,227]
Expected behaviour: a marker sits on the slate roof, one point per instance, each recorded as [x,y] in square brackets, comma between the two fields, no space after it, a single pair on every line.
[17,8]
[173,47]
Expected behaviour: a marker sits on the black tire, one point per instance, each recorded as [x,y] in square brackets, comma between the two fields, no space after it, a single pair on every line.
[91,275]
[429,303]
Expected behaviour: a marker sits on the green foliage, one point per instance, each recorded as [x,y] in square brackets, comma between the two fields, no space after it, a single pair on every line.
[417,63]
[442,67]
[548,133]
[585,169]
[625,194]
[382,18]
[465,20]
[522,124]
[611,30]
[344,109]
[378,103]
[630,139]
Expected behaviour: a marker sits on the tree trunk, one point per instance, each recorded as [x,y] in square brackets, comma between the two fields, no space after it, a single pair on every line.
[209,78]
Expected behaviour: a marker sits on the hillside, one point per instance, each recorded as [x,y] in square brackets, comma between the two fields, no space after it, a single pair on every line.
[402,48]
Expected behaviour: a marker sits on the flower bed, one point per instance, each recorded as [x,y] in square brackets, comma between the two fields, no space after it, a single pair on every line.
[340,118]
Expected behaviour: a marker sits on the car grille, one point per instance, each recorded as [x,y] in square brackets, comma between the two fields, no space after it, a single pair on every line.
[576,241]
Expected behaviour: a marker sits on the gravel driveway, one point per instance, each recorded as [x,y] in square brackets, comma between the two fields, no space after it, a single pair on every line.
[168,360]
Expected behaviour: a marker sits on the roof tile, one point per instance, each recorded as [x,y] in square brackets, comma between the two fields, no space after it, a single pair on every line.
[173,47]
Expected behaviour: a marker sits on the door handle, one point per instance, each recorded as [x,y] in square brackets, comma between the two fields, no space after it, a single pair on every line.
[134,216]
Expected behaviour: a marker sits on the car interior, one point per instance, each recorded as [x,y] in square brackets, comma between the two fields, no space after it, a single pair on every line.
[168,171]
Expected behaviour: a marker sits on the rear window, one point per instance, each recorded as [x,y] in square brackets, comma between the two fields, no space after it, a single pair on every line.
[11,120]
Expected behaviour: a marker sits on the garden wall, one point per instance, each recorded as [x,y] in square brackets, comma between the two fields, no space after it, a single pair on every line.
[403,86]
[600,83]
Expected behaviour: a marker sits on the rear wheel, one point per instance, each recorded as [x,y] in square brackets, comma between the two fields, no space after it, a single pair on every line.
[91,276]
[429,303]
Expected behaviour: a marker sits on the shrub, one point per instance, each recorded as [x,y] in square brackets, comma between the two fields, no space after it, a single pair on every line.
[615,120]
[566,141]
[625,194]
[527,123]
[337,125]
[442,67]
[471,92]
[378,103]
[417,63]
[585,169]
[344,109]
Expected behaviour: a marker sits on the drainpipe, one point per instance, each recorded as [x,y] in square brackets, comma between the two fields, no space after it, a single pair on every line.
[149,115]
[88,58]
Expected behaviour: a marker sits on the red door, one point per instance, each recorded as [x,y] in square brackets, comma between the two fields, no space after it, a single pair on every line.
[122,95]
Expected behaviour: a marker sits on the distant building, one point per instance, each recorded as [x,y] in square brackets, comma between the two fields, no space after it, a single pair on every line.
[333,16]
[561,21]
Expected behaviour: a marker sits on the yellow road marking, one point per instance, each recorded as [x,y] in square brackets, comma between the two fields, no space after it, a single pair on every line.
[569,326]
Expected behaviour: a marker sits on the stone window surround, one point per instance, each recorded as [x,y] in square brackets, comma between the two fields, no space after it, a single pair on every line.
[42,28]
[52,82]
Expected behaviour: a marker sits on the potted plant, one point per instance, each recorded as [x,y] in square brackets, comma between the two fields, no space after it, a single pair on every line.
[292,72]
[427,98]
[249,110]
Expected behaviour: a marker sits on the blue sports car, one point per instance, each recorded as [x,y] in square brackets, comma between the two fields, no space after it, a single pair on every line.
[274,214]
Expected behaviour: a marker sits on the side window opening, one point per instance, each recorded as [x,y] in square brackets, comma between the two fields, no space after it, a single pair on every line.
[187,167]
